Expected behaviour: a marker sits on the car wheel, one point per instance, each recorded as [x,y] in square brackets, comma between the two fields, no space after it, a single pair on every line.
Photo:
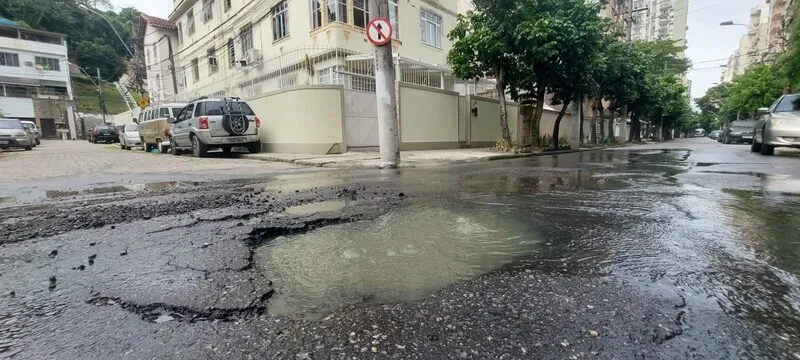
[173,147]
[755,146]
[198,148]
[122,146]
[254,147]
[767,149]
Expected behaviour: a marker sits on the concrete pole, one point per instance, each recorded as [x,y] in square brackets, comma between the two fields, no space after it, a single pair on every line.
[100,96]
[623,116]
[385,92]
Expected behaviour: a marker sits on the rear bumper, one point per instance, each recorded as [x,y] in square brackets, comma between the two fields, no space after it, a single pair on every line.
[133,142]
[740,138]
[10,143]
[207,139]
[106,137]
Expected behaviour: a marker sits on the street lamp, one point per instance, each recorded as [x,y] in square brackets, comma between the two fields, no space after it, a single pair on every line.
[731,23]
[109,24]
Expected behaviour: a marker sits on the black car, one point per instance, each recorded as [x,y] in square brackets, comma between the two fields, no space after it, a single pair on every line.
[104,133]
[738,132]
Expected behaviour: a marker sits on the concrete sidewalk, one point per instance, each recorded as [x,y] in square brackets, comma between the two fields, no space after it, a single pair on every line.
[408,159]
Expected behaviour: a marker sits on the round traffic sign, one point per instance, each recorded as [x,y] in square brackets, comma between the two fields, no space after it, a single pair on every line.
[379,31]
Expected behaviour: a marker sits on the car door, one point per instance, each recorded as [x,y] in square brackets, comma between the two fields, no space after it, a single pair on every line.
[181,128]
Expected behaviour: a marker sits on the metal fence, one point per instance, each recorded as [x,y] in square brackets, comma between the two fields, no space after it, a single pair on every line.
[317,65]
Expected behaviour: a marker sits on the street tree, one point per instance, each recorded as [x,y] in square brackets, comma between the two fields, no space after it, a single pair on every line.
[484,45]
[757,87]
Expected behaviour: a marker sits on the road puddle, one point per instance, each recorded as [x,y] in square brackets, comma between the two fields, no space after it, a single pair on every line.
[401,256]
[319,207]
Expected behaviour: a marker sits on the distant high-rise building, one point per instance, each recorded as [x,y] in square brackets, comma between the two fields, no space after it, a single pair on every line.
[659,19]
[756,45]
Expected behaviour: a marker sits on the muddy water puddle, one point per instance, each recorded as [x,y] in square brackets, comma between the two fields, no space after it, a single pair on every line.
[398,257]
[319,207]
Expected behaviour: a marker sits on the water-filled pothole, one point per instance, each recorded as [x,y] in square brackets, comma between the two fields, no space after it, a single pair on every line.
[401,256]
[318,207]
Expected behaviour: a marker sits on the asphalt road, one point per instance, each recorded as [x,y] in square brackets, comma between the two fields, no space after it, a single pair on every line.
[640,252]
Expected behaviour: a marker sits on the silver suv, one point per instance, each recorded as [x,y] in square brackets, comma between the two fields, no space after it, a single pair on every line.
[222,123]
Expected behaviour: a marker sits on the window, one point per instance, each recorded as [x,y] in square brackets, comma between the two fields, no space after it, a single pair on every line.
[788,103]
[394,19]
[227,5]
[431,28]
[163,112]
[180,34]
[155,53]
[208,10]
[360,13]
[316,13]
[48,63]
[195,70]
[190,22]
[330,76]
[9,59]
[231,53]
[337,10]
[19,91]
[183,76]
[246,38]
[213,66]
[280,20]
[158,83]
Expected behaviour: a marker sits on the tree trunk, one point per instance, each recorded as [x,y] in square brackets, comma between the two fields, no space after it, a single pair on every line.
[602,119]
[558,122]
[593,123]
[580,99]
[501,93]
[611,136]
[537,115]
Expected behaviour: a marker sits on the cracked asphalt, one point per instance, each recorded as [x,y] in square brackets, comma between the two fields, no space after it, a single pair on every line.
[634,253]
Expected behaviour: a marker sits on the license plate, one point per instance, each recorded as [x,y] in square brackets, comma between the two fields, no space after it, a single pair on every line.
[747,137]
[236,140]
[4,142]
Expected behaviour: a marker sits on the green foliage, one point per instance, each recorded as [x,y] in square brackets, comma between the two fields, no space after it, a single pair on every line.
[501,146]
[757,87]
[94,54]
[80,26]
[546,142]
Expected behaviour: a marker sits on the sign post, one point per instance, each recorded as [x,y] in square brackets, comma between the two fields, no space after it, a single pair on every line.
[379,33]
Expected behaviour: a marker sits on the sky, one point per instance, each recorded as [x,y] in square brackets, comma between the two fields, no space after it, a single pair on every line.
[707,40]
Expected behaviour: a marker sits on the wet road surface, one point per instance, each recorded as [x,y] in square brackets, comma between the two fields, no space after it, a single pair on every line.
[633,253]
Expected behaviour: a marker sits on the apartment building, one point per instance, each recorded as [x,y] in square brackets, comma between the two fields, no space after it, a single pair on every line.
[244,48]
[753,46]
[659,19]
[781,15]
[34,79]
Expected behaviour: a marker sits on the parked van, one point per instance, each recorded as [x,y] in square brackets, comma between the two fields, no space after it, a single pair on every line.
[153,125]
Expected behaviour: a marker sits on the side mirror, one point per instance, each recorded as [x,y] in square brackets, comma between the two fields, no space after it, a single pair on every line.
[762,111]
[135,120]
[171,120]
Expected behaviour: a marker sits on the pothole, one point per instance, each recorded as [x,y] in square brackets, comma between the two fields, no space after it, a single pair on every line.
[319,207]
[401,256]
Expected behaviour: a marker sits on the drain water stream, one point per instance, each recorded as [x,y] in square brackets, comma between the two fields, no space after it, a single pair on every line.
[401,256]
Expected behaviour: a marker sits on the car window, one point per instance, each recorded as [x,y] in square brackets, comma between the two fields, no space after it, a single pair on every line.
[176,111]
[131,127]
[789,103]
[164,113]
[198,108]
[187,113]
[216,107]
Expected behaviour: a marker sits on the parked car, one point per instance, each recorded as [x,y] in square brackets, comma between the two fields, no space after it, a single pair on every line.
[714,134]
[31,133]
[32,126]
[14,135]
[738,132]
[779,126]
[215,123]
[153,125]
[699,133]
[129,137]
[103,133]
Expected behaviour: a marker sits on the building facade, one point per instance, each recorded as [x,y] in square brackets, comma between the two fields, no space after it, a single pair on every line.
[659,19]
[34,79]
[781,15]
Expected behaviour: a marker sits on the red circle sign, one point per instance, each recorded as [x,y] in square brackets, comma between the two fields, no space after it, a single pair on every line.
[379,31]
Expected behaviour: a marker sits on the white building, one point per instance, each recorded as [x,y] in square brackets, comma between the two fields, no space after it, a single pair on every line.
[34,79]
[660,19]
[754,46]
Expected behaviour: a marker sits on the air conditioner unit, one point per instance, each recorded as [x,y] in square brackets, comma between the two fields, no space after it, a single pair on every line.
[252,56]
[29,63]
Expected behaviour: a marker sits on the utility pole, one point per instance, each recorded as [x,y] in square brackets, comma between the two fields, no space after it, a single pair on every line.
[388,137]
[172,64]
[100,96]
[623,118]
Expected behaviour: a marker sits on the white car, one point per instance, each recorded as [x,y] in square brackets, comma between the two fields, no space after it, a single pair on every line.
[129,137]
